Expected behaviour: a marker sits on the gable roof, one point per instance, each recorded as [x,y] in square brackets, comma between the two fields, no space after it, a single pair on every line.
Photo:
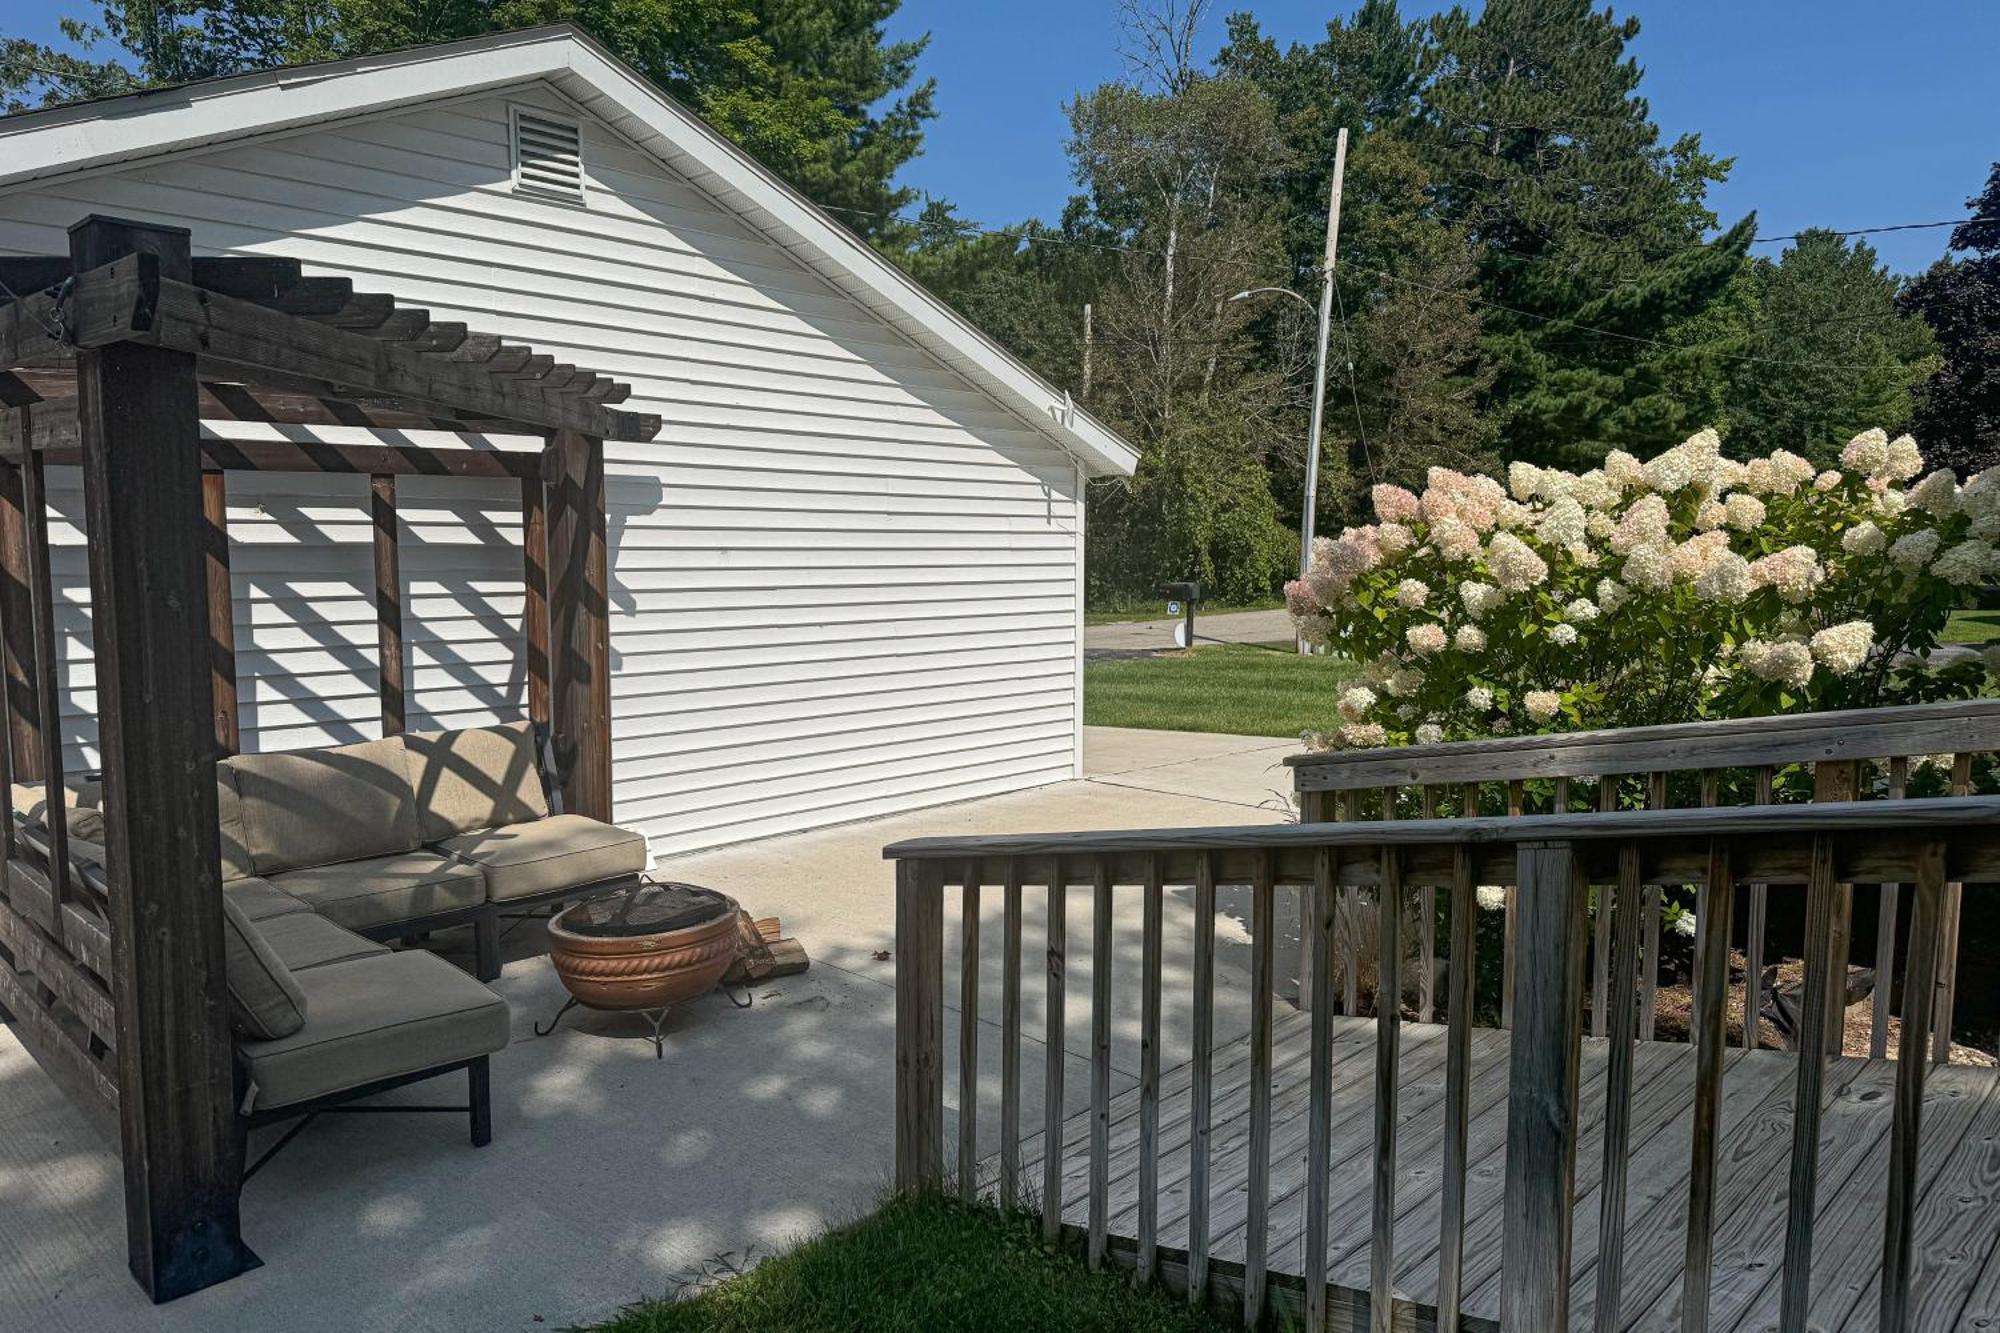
[40,145]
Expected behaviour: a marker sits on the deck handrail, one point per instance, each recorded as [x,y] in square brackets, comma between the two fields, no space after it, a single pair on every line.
[1556,861]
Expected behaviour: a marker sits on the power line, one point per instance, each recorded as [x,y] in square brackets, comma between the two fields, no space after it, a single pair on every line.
[1866,231]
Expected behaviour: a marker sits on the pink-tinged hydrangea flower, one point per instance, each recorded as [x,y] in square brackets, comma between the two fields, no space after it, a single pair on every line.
[1650,568]
[1339,562]
[1965,564]
[1692,557]
[1479,699]
[1469,639]
[1712,514]
[1826,481]
[1623,470]
[1611,595]
[1430,733]
[1562,635]
[1843,648]
[1937,494]
[1513,564]
[1541,705]
[1726,581]
[1794,572]
[1364,735]
[1867,452]
[1455,539]
[1425,639]
[1864,538]
[1299,600]
[1392,539]
[1479,598]
[1789,663]
[1913,550]
[1412,594]
[1789,470]
[1759,477]
[1512,516]
[1644,524]
[1745,512]
[1393,504]
[1355,701]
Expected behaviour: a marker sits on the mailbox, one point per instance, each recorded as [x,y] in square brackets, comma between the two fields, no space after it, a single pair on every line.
[1181,599]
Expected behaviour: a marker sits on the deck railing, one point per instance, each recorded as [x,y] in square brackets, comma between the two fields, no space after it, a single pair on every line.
[1812,756]
[1552,863]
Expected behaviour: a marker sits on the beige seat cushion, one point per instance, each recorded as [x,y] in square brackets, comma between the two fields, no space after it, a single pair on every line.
[386,890]
[316,807]
[559,852]
[305,940]
[480,777]
[236,862]
[376,1018]
[82,798]
[260,899]
[265,1002]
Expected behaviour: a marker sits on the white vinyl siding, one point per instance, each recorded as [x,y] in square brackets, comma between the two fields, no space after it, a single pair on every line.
[845,581]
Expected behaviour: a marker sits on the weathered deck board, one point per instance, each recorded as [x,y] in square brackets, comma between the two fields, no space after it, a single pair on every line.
[1959,1260]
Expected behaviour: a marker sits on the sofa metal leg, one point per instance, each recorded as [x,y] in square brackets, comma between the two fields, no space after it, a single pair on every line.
[479,1084]
[486,947]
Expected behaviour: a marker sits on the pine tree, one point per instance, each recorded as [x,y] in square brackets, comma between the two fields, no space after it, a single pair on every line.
[1957,418]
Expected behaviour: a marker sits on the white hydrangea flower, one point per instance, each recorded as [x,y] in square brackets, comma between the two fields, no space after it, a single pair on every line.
[1867,452]
[1600,525]
[1980,496]
[1843,648]
[1890,503]
[1826,480]
[1985,528]
[1523,479]
[1364,735]
[1937,494]
[1479,699]
[1623,470]
[1712,514]
[1490,897]
[1913,550]
[1541,705]
[1795,572]
[1965,564]
[1581,611]
[1864,538]
[1355,701]
[1455,539]
[1412,594]
[1512,515]
[1902,460]
[1394,539]
[1788,662]
[1649,567]
[1670,472]
[1503,726]
[1430,733]
[1746,512]
[1513,564]
[1403,682]
[1594,490]
[1479,598]
[1562,635]
[1726,581]
[1683,925]
[1644,524]
[1611,594]
[1564,523]
[1425,639]
[1469,639]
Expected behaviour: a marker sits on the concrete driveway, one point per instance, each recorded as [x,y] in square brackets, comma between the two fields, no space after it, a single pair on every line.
[613,1175]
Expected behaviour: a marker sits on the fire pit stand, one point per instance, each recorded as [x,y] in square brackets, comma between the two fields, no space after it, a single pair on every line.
[643,950]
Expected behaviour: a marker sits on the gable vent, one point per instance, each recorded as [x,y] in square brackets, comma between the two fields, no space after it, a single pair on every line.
[548,156]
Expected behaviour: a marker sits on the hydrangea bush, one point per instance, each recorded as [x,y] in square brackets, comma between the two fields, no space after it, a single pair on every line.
[1690,585]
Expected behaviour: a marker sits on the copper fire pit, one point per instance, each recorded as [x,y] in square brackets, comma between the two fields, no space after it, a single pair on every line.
[644,949]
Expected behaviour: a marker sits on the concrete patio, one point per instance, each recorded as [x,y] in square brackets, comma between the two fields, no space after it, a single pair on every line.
[613,1175]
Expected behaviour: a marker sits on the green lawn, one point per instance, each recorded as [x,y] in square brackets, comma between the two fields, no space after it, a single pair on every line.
[924,1265]
[1157,610]
[1245,689]
[1972,627]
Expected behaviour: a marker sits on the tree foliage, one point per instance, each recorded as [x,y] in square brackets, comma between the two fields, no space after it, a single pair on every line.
[1958,409]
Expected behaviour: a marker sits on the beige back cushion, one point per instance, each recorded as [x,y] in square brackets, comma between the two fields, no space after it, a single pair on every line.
[482,777]
[264,999]
[236,860]
[81,797]
[316,807]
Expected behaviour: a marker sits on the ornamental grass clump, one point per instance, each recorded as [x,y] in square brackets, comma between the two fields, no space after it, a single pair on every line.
[1686,586]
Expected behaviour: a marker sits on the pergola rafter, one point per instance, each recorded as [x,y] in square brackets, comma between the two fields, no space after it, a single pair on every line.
[110,361]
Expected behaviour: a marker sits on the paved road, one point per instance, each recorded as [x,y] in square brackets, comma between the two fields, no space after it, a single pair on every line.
[1131,637]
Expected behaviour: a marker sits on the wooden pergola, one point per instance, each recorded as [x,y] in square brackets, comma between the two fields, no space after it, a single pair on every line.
[110,360]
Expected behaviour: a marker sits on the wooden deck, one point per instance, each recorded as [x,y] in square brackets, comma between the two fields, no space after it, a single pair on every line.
[1958,1215]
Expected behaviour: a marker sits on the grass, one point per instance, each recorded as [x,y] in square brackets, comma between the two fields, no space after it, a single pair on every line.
[1244,689]
[923,1265]
[1978,626]
[1157,610]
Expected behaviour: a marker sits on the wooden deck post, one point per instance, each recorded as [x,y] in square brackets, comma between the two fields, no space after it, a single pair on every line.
[388,602]
[17,634]
[919,1026]
[141,456]
[1542,1088]
[580,628]
[221,611]
[535,607]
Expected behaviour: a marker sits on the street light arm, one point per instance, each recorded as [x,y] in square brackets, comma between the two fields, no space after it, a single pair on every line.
[1280,291]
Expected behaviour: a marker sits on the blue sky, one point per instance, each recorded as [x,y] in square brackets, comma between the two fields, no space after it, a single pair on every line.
[1840,113]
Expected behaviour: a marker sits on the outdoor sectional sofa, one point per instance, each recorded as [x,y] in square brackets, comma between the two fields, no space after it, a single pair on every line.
[327,853]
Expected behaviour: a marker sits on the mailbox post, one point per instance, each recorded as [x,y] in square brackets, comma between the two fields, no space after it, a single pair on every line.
[1181,600]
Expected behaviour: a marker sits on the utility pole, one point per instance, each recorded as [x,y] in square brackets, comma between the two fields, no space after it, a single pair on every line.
[1306,524]
[1085,392]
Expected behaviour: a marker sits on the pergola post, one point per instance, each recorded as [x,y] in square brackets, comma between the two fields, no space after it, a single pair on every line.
[580,627]
[141,456]
[17,634]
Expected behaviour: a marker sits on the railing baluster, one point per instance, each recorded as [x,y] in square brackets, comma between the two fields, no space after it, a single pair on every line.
[1350,901]
[1885,932]
[1256,1231]
[1795,1296]
[1319,1131]
[1010,1040]
[1053,1054]
[1460,980]
[1838,780]
[1388,1049]
[1600,1019]
[1427,907]
[1649,968]
[968,1034]
[1753,947]
[1710,1009]
[1622,982]
[1512,928]
[919,1026]
[1201,1095]
[1543,1068]
[1315,807]
[1905,1129]
[1954,894]
[1149,1073]
[1100,1063]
